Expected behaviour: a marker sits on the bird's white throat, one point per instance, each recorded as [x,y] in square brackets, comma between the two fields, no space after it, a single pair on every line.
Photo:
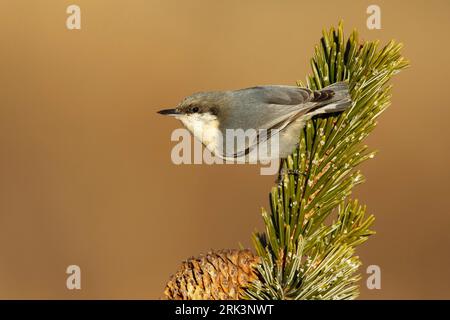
[203,126]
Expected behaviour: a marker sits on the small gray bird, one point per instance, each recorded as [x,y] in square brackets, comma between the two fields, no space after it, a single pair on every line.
[275,109]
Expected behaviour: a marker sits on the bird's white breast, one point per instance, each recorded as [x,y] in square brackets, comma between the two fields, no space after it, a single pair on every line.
[205,127]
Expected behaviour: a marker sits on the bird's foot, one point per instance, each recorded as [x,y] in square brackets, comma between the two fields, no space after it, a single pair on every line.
[284,171]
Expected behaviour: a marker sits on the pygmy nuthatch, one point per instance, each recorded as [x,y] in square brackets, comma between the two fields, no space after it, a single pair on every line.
[263,111]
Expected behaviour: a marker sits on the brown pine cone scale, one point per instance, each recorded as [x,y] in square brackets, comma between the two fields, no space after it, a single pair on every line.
[218,275]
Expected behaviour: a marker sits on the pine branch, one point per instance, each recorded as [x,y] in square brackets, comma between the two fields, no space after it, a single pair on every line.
[303,256]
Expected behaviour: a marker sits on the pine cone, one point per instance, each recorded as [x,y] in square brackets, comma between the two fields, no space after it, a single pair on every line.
[218,275]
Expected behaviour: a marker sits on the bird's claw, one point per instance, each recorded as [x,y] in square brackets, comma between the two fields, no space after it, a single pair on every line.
[284,171]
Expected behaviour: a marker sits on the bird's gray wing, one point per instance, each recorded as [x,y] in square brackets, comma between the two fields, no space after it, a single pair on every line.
[277,94]
[274,108]
[269,108]
[265,106]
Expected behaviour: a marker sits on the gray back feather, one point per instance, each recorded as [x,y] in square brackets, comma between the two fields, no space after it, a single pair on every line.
[263,107]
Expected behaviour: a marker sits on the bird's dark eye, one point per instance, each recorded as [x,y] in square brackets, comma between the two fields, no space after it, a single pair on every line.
[194,109]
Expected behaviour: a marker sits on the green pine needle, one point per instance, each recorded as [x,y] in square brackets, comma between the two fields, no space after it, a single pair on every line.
[304,255]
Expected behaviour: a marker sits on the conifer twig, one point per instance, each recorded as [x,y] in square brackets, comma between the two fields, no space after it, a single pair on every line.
[303,256]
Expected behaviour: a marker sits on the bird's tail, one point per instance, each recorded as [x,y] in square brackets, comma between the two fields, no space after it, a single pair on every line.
[338,99]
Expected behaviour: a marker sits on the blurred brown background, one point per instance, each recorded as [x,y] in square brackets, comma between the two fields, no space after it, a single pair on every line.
[85,170]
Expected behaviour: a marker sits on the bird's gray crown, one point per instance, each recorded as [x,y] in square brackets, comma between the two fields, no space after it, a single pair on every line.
[202,102]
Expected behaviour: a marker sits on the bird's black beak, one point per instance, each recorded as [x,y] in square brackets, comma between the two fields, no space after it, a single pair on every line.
[169,112]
